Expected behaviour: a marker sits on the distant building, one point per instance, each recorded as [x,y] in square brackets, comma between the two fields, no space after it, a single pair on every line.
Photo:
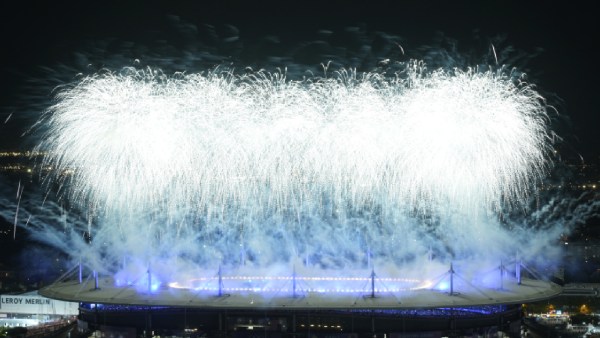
[31,309]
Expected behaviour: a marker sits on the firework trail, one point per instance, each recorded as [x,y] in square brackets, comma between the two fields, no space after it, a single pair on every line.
[220,168]
[143,139]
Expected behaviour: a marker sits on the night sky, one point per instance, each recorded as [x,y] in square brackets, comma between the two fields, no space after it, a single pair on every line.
[46,43]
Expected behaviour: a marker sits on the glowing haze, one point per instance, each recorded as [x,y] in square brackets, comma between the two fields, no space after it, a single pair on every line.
[187,172]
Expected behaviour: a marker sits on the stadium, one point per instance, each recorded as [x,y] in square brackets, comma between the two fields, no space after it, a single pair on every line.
[217,204]
[242,307]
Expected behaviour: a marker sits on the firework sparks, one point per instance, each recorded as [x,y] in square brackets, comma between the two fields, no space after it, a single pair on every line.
[254,161]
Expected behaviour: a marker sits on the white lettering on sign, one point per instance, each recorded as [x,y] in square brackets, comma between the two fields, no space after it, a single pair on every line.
[34,304]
